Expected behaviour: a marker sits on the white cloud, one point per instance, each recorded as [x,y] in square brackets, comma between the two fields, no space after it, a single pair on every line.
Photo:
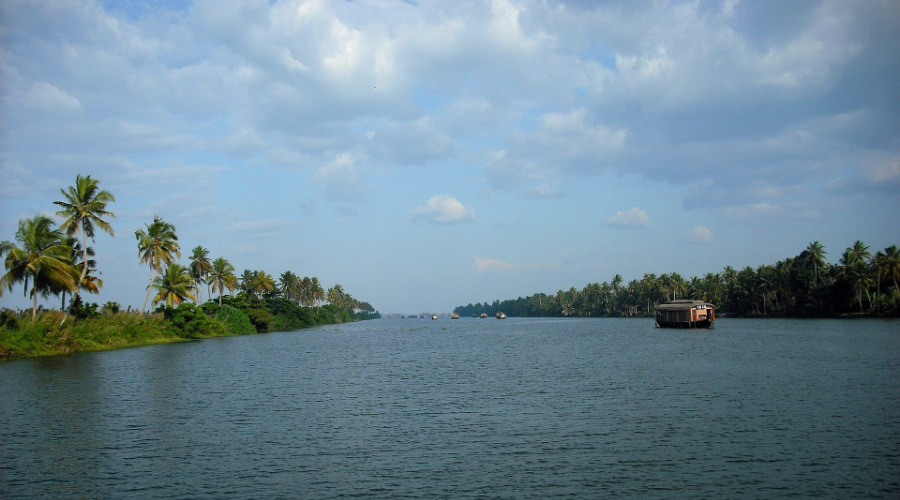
[630,218]
[46,97]
[700,234]
[443,209]
[343,179]
[488,264]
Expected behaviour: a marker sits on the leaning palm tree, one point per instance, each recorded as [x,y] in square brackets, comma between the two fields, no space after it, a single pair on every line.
[222,277]
[173,285]
[43,260]
[83,208]
[200,267]
[157,247]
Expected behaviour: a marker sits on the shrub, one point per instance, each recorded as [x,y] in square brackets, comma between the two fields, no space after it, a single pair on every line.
[9,319]
[236,321]
[111,307]
[189,321]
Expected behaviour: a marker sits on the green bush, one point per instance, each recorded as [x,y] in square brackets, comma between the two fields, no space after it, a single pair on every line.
[236,321]
[189,321]
[111,307]
[9,319]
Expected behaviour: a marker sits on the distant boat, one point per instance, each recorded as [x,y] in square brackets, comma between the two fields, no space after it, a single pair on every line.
[484,315]
[454,315]
[501,315]
[434,316]
[685,314]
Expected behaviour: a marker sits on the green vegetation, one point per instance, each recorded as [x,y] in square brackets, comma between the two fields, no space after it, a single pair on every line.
[804,286]
[49,261]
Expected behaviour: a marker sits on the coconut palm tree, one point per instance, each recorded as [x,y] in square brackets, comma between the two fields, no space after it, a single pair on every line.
[83,208]
[200,266]
[157,247]
[261,282]
[816,252]
[289,284]
[317,292]
[173,285]
[222,277]
[335,295]
[43,260]
[892,264]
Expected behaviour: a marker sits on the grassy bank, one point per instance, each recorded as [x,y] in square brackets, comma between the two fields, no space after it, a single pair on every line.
[53,332]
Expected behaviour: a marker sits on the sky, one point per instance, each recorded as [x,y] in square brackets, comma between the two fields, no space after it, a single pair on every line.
[430,154]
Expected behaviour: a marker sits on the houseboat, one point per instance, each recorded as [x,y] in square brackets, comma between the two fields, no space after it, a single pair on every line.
[685,314]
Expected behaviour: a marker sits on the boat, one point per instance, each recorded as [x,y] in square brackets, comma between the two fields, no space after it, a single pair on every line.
[434,316]
[484,315]
[454,315]
[501,315]
[685,313]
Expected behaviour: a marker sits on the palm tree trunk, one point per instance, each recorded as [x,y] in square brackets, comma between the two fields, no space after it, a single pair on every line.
[149,287]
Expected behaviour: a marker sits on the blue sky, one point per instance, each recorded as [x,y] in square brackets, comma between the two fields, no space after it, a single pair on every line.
[429,154]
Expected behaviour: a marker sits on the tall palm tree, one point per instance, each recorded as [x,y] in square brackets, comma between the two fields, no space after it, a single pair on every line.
[83,208]
[173,285]
[816,252]
[289,284]
[222,277]
[247,282]
[335,295]
[157,247]
[318,293]
[200,266]
[43,259]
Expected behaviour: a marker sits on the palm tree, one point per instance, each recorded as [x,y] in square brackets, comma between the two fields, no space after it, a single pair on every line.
[289,284]
[43,259]
[222,276]
[262,282]
[335,295]
[173,285]
[816,252]
[892,264]
[83,207]
[157,247]
[317,292]
[200,267]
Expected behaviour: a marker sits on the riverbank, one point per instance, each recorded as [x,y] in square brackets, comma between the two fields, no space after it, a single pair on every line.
[54,332]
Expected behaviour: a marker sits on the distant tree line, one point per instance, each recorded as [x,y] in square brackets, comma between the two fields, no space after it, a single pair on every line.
[805,286]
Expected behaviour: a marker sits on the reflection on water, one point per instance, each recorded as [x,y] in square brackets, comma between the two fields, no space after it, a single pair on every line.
[523,408]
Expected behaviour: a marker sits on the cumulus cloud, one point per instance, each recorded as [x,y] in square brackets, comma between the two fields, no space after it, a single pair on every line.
[700,234]
[488,264]
[443,209]
[630,218]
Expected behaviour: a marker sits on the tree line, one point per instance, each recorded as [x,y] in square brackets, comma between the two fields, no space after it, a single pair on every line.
[57,261]
[860,283]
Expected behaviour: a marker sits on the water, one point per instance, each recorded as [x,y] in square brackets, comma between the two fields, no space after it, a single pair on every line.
[470,408]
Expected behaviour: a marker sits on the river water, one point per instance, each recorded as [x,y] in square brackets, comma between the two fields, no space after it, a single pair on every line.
[469,408]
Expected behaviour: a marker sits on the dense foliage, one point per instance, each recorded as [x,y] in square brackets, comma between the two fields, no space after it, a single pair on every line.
[802,286]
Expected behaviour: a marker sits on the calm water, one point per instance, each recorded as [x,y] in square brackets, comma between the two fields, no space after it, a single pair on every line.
[470,408]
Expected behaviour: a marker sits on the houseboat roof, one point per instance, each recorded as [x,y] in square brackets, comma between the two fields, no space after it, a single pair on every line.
[683,305]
